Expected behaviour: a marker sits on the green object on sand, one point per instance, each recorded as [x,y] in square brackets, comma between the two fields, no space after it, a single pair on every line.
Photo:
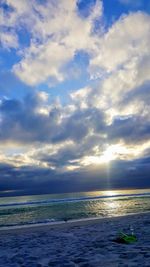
[125,238]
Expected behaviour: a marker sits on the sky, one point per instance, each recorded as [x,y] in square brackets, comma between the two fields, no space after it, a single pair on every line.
[74,95]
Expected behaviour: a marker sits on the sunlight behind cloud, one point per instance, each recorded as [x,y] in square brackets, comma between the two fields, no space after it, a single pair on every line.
[75,91]
[115,152]
[112,152]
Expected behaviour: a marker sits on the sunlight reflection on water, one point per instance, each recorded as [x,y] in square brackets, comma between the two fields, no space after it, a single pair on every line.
[31,209]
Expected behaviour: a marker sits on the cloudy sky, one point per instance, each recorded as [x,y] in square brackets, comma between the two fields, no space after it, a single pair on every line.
[74,95]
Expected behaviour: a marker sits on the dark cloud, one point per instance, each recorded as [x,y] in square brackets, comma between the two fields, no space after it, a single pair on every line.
[132,129]
[78,125]
[140,94]
[21,122]
[119,174]
[70,152]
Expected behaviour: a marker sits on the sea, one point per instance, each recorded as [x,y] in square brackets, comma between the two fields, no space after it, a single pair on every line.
[55,208]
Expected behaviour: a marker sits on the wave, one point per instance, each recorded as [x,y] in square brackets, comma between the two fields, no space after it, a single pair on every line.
[64,200]
[64,221]
[42,222]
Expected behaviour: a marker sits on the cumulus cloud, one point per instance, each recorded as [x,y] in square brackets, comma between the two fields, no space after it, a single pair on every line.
[131,129]
[51,45]
[8,40]
[33,120]
[123,56]
[62,140]
[27,120]
[122,42]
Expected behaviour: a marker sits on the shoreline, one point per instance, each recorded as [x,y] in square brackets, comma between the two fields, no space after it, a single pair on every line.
[65,224]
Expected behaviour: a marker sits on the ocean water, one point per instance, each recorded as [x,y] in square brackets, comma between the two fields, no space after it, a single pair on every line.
[35,209]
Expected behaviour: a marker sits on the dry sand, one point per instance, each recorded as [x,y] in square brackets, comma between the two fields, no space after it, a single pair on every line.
[77,244]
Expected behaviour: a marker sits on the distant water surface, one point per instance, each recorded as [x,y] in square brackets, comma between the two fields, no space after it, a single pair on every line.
[23,210]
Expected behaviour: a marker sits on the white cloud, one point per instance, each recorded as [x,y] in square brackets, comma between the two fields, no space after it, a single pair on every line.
[134,74]
[17,14]
[122,42]
[81,97]
[57,32]
[9,40]
[124,55]
[41,62]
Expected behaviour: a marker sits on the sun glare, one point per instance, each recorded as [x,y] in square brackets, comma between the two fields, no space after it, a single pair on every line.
[112,152]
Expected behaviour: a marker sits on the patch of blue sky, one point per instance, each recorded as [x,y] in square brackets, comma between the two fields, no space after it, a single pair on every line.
[11,86]
[84,7]
[81,58]
[24,37]
[41,2]
[8,57]
[63,89]
[6,7]
[77,77]
[114,9]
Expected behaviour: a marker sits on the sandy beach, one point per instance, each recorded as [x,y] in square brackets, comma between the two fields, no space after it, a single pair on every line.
[77,244]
